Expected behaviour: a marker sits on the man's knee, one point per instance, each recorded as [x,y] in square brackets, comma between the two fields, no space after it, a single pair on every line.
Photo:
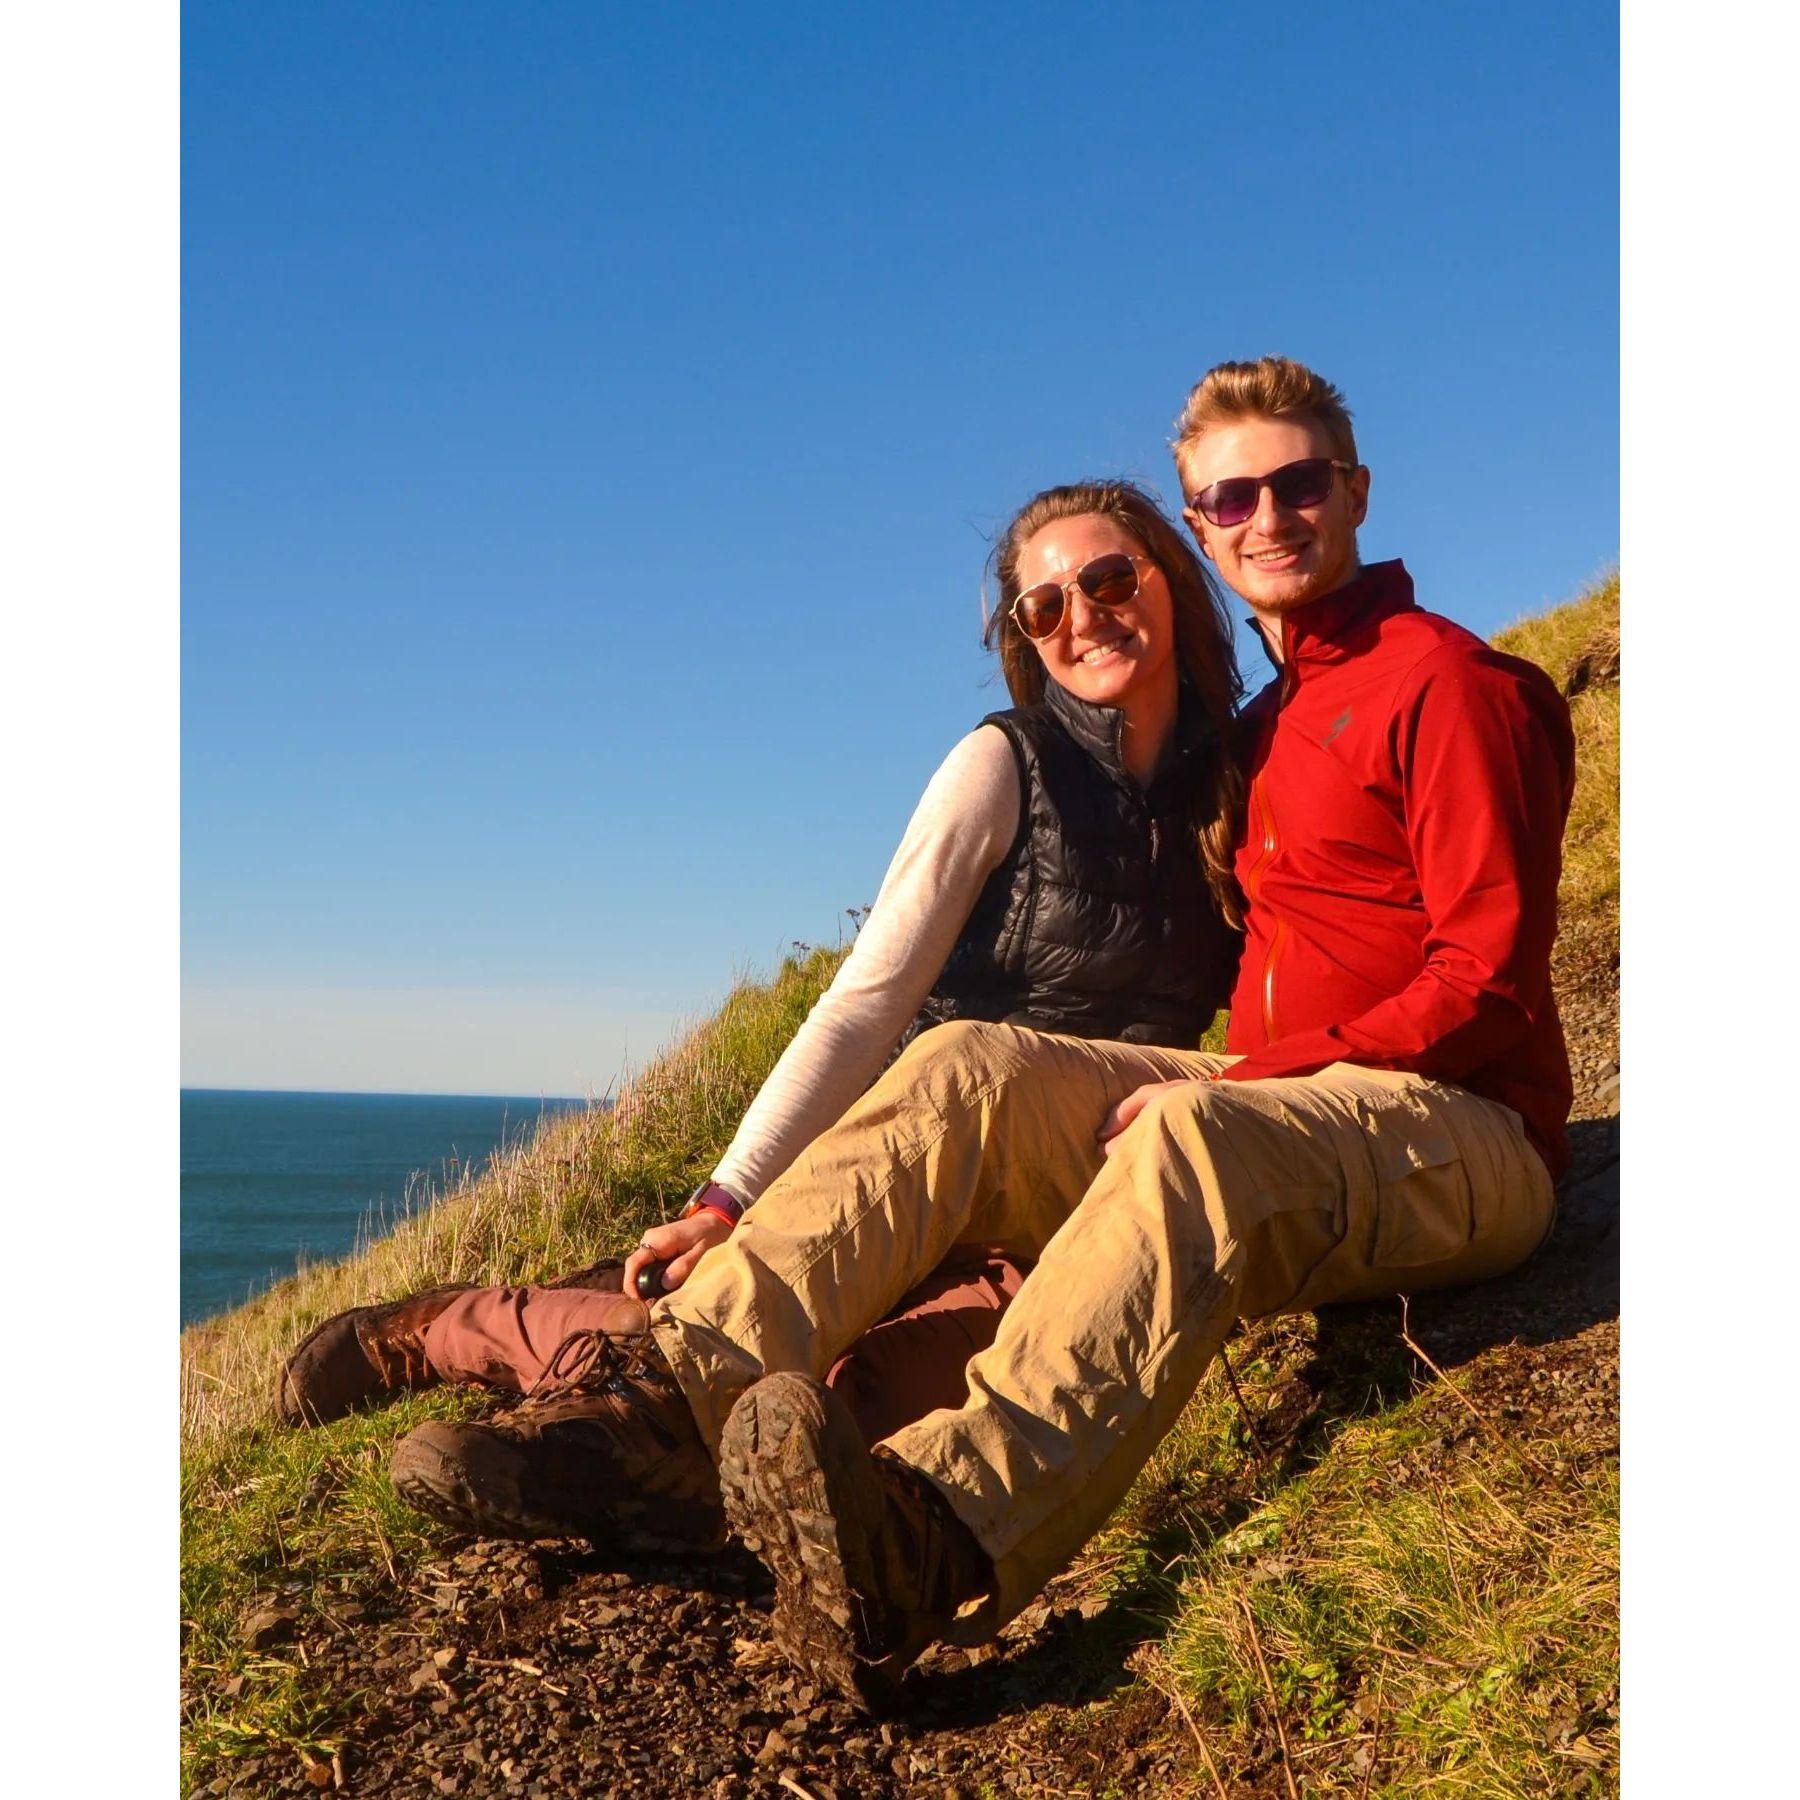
[1179,1144]
[1181,1112]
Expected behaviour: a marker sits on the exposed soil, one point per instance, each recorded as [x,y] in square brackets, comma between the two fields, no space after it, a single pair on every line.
[508,1670]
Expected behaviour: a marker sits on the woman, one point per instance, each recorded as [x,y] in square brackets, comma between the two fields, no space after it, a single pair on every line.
[1068,869]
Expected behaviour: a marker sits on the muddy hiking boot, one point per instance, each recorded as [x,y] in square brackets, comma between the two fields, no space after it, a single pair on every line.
[607,1276]
[870,1563]
[372,1353]
[604,1448]
[359,1357]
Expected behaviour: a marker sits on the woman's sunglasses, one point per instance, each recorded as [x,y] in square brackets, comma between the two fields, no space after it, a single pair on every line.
[1109,580]
[1295,484]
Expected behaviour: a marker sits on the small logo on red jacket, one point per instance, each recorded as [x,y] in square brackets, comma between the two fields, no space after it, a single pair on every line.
[1337,725]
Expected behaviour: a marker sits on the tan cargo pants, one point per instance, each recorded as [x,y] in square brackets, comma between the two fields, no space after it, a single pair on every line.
[1220,1201]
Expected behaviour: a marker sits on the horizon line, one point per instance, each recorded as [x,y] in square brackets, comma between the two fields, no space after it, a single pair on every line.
[396,1093]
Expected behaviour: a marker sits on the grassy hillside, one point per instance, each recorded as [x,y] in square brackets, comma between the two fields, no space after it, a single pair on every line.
[1377,1557]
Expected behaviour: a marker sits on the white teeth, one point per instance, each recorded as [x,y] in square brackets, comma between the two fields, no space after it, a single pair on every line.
[1100,650]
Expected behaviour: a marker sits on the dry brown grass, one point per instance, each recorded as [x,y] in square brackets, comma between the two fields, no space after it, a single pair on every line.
[584,1185]
[1558,641]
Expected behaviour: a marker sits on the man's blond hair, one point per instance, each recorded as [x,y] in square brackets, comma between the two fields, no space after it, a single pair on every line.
[1272,387]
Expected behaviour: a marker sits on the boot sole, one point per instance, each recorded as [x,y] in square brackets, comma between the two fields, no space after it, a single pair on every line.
[429,1477]
[797,1484]
[429,1471]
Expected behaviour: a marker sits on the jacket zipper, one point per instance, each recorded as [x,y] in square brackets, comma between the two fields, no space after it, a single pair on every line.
[1263,822]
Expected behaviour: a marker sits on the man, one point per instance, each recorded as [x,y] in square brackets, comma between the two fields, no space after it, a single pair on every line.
[1389,1116]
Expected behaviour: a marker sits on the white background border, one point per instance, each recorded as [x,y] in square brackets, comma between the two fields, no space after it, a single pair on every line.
[90,125]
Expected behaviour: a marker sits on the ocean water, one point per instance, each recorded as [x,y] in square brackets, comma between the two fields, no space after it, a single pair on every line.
[268,1178]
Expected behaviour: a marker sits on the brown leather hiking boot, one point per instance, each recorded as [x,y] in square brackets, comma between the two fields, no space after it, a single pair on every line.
[368,1353]
[607,1276]
[870,1563]
[605,1448]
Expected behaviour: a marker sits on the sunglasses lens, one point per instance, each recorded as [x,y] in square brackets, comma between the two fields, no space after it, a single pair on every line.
[1228,502]
[1109,580]
[1039,610]
[1302,483]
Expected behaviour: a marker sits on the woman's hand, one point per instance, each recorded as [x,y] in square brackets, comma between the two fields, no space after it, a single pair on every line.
[1133,1104]
[681,1243]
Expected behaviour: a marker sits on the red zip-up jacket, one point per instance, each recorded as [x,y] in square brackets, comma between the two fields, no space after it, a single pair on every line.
[1408,788]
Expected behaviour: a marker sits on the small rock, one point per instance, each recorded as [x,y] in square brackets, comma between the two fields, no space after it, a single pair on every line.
[318,1774]
[774,1748]
[269,1625]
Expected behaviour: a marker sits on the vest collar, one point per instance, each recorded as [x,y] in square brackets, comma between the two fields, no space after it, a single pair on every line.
[1331,628]
[1100,730]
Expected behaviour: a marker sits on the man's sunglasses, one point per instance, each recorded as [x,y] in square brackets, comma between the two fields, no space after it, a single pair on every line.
[1295,484]
[1109,580]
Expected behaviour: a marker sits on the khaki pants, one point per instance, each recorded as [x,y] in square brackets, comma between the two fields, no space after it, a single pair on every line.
[1221,1201]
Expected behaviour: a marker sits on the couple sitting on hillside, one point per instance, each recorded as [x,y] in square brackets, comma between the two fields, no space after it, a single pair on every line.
[917,1337]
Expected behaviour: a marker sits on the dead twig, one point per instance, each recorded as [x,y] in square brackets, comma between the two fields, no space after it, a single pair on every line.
[1237,1393]
[1287,1764]
[1375,1740]
[387,1555]
[1481,1418]
[523,1667]
[1173,1692]
[1212,1768]
[1437,1495]
[793,1787]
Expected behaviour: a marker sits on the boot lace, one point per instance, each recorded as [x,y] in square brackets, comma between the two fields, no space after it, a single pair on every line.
[590,1361]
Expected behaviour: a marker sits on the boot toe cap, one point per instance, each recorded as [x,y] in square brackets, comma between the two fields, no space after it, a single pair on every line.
[328,1376]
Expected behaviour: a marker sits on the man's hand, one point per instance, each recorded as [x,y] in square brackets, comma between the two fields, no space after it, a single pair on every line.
[1133,1104]
[681,1243]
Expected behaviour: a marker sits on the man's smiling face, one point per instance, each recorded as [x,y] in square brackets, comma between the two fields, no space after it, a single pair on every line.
[1281,557]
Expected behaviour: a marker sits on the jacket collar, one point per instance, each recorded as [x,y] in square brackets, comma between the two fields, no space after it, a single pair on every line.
[1334,626]
[1100,730]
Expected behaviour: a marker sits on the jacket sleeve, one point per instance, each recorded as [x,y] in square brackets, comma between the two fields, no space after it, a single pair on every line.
[1486,756]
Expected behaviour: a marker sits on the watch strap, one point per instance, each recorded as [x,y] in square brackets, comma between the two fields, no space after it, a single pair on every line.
[710,1197]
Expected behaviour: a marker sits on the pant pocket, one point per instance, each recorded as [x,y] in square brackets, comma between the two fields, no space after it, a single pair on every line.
[1424,1205]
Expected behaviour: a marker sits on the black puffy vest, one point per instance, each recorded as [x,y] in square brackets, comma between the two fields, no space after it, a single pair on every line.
[1099,923]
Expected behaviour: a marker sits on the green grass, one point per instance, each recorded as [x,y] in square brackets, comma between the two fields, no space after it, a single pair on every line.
[1442,1595]
[1466,1601]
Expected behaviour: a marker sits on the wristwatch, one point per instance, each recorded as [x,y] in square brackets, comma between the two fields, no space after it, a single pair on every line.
[710,1197]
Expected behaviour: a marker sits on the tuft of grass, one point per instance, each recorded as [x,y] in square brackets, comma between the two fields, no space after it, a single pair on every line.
[1559,641]
[1477,1597]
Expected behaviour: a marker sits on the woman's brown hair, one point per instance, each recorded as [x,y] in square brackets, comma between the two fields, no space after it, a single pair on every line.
[1202,646]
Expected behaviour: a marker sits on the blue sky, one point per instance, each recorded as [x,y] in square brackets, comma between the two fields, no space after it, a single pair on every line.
[594,419]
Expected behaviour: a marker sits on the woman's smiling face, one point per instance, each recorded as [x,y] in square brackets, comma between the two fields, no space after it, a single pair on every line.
[1108,655]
